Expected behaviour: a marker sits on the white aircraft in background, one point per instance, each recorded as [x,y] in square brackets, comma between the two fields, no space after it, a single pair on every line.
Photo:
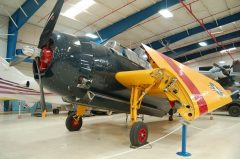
[226,75]
[15,85]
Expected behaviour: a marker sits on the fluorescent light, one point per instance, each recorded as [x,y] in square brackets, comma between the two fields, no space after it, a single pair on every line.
[92,35]
[228,50]
[202,44]
[79,7]
[166,13]
[223,51]
[231,49]
[221,62]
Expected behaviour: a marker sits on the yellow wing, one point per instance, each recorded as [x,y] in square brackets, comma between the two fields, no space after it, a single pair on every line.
[197,93]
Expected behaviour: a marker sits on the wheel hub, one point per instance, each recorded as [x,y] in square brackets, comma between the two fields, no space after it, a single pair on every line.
[74,122]
[142,135]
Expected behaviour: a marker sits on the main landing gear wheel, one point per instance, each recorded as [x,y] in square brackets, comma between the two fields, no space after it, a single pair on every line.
[138,134]
[55,111]
[234,111]
[73,122]
[170,118]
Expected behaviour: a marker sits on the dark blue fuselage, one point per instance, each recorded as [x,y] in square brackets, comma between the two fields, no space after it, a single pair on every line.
[80,66]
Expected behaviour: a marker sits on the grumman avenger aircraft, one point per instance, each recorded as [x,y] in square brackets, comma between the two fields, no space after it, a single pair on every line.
[113,77]
[16,85]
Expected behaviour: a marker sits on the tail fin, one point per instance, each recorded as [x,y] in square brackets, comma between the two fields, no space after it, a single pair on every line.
[8,72]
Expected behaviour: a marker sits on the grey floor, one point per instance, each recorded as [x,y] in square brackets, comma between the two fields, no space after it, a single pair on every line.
[107,137]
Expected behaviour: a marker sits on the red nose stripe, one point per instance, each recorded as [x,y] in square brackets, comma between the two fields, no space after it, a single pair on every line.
[193,89]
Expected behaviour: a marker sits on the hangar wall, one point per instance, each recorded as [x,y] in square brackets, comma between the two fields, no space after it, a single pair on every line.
[28,35]
[3,38]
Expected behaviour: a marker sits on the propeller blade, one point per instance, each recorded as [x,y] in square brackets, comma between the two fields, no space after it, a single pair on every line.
[44,38]
[18,61]
[42,97]
[49,27]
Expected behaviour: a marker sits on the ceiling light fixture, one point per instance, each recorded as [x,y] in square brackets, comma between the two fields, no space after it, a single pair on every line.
[221,62]
[202,44]
[79,7]
[228,50]
[166,13]
[93,36]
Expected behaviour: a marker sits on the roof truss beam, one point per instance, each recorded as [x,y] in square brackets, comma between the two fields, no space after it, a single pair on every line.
[196,30]
[205,52]
[185,49]
[122,25]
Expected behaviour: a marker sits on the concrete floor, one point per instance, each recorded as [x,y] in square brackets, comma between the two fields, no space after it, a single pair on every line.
[107,137]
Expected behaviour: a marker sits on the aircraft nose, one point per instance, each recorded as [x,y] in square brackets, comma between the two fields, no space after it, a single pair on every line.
[67,65]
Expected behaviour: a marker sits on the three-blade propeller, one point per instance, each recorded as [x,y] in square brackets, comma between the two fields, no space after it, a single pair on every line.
[44,39]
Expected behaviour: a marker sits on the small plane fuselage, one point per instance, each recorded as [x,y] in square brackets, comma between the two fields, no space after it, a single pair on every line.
[79,66]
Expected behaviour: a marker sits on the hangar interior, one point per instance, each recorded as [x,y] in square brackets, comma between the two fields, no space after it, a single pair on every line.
[200,34]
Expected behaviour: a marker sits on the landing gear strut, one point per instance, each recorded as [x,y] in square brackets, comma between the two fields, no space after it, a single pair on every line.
[171,111]
[170,118]
[139,131]
[74,119]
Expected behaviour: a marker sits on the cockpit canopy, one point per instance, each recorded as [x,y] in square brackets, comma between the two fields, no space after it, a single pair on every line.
[138,55]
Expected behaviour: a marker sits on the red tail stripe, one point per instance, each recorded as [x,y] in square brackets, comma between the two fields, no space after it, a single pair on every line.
[12,85]
[17,89]
[23,93]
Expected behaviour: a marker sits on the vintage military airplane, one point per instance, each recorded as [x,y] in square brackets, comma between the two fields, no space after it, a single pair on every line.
[15,85]
[113,77]
[228,76]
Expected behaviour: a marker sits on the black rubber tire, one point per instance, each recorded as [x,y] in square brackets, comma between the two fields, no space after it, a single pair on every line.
[55,111]
[170,118]
[70,125]
[234,110]
[134,134]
